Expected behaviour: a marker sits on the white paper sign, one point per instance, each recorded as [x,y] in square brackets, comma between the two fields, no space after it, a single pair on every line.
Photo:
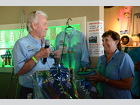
[95,29]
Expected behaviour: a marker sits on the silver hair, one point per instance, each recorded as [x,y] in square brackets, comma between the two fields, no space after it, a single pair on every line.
[33,17]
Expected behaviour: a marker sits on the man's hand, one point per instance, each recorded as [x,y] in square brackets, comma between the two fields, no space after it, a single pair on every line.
[56,54]
[43,53]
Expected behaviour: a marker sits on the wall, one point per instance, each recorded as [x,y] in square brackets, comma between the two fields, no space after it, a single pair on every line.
[101,17]
[111,20]
[12,14]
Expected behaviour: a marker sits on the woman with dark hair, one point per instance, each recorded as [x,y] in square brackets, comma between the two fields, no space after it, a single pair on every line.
[115,69]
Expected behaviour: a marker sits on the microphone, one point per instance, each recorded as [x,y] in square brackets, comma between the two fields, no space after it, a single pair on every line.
[47,44]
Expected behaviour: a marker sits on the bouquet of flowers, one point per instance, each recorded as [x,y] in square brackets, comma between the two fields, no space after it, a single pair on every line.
[56,83]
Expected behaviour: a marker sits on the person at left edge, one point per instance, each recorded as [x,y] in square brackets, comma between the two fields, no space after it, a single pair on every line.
[29,51]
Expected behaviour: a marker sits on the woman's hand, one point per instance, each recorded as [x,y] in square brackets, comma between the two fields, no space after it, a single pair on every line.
[120,84]
[96,78]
